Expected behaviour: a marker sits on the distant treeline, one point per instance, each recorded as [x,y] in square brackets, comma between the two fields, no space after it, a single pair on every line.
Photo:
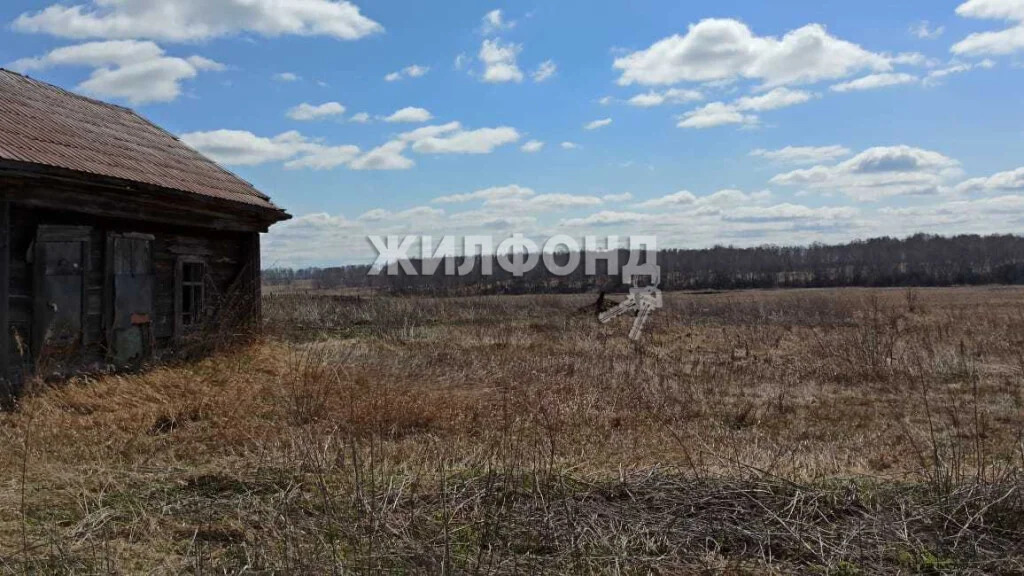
[920,260]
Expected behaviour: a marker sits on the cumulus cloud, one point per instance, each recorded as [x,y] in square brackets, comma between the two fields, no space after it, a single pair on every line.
[197,20]
[624,197]
[511,192]
[874,81]
[670,96]
[925,31]
[495,21]
[1011,181]
[324,157]
[787,213]
[725,49]
[286,77]
[410,115]
[936,76]
[802,154]
[452,138]
[414,71]
[606,218]
[545,71]
[597,124]
[137,72]
[543,203]
[360,118]
[305,111]
[569,145]
[878,173]
[737,112]
[532,146]
[710,204]
[1003,42]
[681,198]
[243,148]
[499,60]
[385,157]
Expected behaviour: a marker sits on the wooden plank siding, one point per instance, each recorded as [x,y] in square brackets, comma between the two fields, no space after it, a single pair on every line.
[5,286]
[227,256]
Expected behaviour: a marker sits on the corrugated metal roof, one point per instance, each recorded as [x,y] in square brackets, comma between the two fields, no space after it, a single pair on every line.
[46,125]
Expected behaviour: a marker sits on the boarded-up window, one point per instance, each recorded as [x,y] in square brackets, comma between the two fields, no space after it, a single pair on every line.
[60,257]
[132,262]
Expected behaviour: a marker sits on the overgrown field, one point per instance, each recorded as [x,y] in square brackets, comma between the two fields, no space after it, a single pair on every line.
[832,432]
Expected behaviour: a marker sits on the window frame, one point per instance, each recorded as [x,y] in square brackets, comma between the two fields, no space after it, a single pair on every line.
[181,328]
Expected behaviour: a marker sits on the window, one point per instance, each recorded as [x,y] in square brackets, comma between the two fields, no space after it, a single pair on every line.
[192,275]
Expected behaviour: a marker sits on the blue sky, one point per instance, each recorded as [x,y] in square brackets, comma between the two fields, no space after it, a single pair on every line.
[725,122]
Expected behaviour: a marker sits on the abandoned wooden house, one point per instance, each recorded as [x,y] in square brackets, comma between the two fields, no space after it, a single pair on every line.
[117,241]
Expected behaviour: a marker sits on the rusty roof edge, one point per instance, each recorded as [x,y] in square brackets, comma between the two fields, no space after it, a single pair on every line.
[66,91]
[256,192]
[201,155]
[274,212]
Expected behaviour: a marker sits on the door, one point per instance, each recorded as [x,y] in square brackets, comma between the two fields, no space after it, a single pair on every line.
[131,333]
[60,260]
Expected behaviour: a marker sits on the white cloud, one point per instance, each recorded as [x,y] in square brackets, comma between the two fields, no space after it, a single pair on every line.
[134,71]
[720,113]
[925,31]
[360,118]
[670,96]
[681,198]
[878,173]
[307,111]
[414,71]
[936,76]
[624,197]
[874,81]
[196,20]
[1002,42]
[546,70]
[451,138]
[597,124]
[287,77]
[773,100]
[324,158]
[386,157]
[500,61]
[533,146]
[410,115]
[242,148]
[788,212]
[494,21]
[1001,182]
[205,64]
[803,154]
[606,218]
[544,203]
[715,114]
[992,10]
[725,49]
[511,192]
[705,205]
[569,145]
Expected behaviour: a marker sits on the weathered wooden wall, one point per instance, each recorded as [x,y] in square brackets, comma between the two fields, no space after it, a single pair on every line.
[228,256]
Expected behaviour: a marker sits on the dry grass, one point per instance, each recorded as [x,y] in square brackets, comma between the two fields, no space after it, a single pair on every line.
[843,432]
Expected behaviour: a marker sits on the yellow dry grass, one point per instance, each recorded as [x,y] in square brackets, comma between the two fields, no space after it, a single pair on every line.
[374,435]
